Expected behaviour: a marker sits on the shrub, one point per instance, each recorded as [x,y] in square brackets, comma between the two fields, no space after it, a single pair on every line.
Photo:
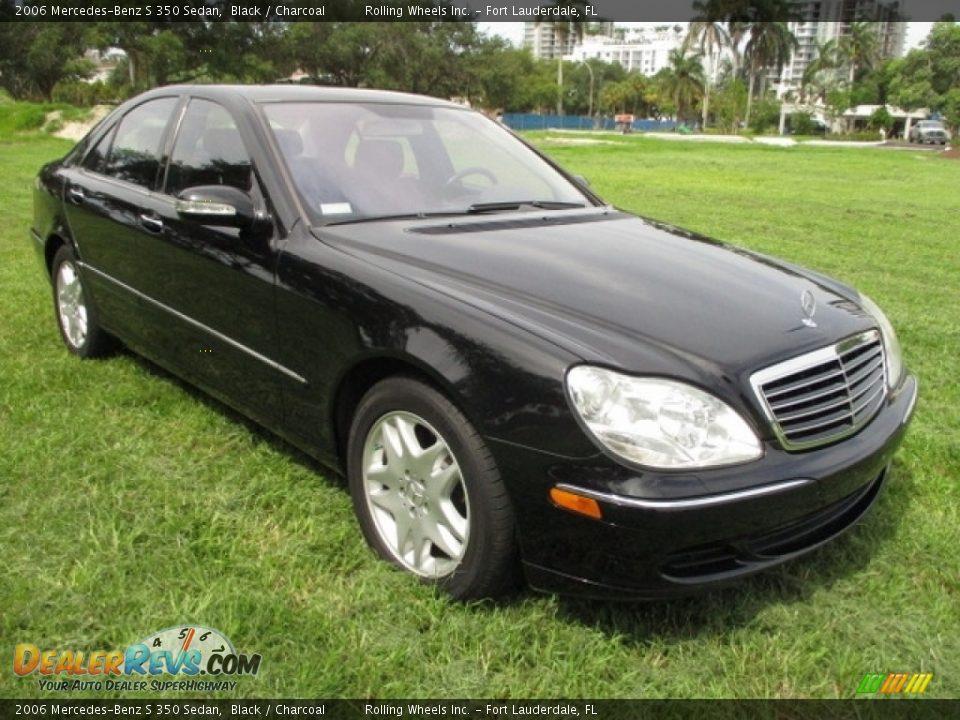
[764,114]
[802,124]
[76,92]
[864,136]
[880,119]
[26,117]
[22,117]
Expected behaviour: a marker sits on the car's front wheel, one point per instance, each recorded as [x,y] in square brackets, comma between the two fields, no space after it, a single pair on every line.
[76,315]
[427,493]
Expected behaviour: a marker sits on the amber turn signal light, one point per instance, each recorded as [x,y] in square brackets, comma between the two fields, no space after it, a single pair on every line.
[576,503]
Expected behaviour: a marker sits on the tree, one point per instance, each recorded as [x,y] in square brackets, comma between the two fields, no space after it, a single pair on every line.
[820,74]
[683,80]
[430,58]
[837,102]
[950,107]
[731,101]
[343,53]
[880,119]
[581,76]
[503,75]
[630,95]
[859,48]
[707,33]
[770,44]
[929,77]
[563,30]
[35,56]
[615,97]
[943,46]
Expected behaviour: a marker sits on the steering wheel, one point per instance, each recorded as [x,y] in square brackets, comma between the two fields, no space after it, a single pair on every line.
[457,178]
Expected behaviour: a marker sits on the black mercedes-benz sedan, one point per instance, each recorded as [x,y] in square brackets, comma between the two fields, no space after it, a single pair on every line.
[512,375]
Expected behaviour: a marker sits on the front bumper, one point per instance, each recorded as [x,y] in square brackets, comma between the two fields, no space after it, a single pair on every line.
[665,534]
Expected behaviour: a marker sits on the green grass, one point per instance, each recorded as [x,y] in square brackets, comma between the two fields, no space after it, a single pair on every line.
[129,503]
[20,118]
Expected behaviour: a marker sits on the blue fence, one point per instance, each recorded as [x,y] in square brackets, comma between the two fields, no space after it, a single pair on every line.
[532,121]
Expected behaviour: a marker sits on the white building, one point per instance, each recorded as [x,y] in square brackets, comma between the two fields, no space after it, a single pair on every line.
[643,50]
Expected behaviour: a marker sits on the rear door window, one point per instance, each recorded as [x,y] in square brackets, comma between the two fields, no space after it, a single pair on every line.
[96,159]
[137,144]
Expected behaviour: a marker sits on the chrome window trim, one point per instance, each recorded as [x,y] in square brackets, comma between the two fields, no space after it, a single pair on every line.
[199,325]
[805,362]
[688,503]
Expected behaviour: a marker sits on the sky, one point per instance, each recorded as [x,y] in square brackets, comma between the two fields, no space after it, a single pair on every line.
[513,31]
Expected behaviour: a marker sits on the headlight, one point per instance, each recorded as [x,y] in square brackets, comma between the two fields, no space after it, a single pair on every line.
[659,423]
[890,343]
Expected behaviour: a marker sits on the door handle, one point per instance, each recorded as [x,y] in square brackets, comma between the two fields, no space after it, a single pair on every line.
[76,195]
[151,223]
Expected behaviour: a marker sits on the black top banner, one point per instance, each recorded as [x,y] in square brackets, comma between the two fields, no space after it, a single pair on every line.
[667,11]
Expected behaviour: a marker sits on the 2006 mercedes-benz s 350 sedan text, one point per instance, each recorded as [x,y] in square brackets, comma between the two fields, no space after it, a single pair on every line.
[512,374]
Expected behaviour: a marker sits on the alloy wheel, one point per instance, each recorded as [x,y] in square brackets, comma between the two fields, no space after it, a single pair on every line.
[71,306]
[415,491]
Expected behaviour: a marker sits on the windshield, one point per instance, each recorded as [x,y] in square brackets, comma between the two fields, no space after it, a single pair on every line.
[352,162]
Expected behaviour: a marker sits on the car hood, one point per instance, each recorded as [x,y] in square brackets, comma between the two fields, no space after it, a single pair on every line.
[617,289]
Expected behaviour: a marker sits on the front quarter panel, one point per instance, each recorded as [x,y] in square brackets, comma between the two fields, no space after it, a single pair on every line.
[336,311]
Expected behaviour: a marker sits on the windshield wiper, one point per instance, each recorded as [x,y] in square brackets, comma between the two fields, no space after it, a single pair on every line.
[398,216]
[474,209]
[517,204]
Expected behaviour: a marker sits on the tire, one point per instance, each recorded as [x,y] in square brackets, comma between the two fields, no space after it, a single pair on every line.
[74,310]
[413,456]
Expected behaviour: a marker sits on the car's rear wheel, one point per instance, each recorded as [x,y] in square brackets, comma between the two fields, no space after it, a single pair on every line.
[427,492]
[76,315]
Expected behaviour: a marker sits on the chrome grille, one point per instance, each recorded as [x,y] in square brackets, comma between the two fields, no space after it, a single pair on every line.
[824,395]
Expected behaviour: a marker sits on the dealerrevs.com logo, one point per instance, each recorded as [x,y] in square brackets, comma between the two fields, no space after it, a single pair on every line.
[203,657]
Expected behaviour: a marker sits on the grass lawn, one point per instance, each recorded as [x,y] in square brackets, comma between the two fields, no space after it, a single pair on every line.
[130,503]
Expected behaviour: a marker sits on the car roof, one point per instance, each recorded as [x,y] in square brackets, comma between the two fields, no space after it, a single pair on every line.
[303,93]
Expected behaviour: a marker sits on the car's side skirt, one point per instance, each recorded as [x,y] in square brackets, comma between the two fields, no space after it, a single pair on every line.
[200,326]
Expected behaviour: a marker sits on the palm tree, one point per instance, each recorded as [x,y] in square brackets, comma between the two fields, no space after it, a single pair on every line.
[562,32]
[684,80]
[770,45]
[859,48]
[707,32]
[825,62]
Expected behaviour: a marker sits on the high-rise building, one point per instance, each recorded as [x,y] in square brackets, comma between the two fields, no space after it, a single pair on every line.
[545,42]
[826,20]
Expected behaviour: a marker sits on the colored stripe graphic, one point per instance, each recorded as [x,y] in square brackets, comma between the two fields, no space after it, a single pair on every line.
[894,683]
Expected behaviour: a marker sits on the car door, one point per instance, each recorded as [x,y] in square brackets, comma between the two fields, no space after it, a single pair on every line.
[105,200]
[212,287]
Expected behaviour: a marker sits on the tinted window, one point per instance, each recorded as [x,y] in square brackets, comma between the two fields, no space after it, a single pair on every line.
[208,151]
[135,155]
[96,159]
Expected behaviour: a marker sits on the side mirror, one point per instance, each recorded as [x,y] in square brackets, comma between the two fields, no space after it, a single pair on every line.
[217,205]
[581,181]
